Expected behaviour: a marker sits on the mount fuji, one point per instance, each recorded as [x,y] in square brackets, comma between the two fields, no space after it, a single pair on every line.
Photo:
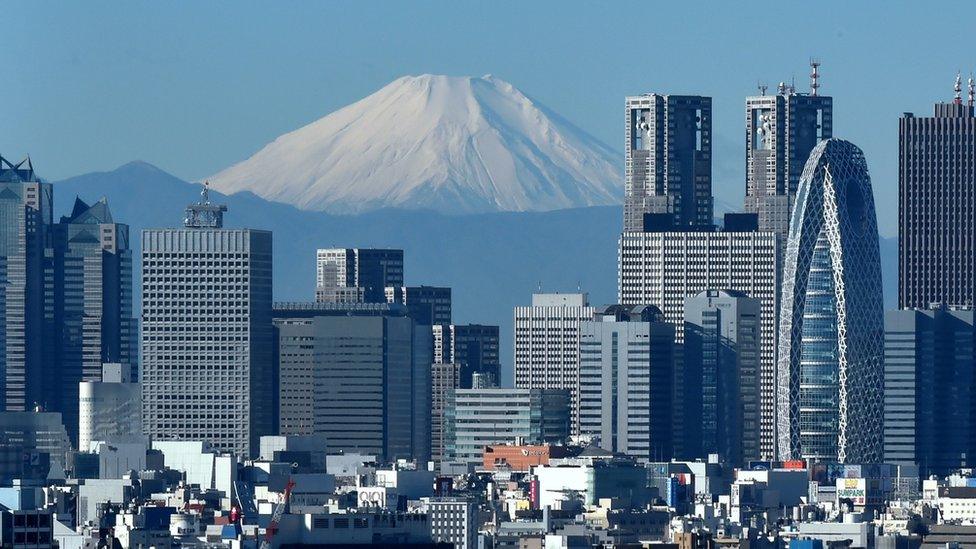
[456,145]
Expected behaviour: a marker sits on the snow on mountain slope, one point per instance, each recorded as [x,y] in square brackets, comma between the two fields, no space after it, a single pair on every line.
[451,144]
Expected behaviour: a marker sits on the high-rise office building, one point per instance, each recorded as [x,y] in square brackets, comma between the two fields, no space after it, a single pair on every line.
[547,345]
[92,303]
[626,366]
[475,418]
[295,358]
[664,268]
[340,271]
[427,305]
[830,371]
[929,405]
[668,159]
[781,130]
[721,373]
[207,365]
[473,347]
[27,259]
[367,375]
[937,206]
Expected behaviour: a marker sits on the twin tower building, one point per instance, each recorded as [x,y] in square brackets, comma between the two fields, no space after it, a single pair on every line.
[806,249]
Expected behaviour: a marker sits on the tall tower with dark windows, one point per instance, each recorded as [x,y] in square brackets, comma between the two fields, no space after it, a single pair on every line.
[668,159]
[937,205]
[92,304]
[26,265]
[781,130]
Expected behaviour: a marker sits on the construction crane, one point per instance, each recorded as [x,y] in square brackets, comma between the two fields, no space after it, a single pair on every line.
[276,516]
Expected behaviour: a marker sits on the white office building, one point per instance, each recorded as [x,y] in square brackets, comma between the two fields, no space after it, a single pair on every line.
[110,409]
[547,341]
[665,268]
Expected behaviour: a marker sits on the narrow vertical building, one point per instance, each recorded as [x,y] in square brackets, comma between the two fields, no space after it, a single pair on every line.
[443,381]
[722,366]
[626,362]
[668,156]
[781,130]
[830,371]
[547,345]
[27,256]
[207,368]
[929,405]
[937,205]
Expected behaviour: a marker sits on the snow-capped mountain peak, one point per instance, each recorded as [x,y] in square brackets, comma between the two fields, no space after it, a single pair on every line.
[452,144]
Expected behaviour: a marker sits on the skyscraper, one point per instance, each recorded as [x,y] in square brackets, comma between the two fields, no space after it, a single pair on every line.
[830,372]
[92,303]
[626,364]
[27,253]
[721,363]
[443,381]
[929,404]
[547,345]
[668,159]
[664,268]
[781,130]
[937,206]
[207,370]
[339,272]
[358,374]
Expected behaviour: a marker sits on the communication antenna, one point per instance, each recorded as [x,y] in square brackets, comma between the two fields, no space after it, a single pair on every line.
[957,98]
[814,76]
[762,87]
[972,90]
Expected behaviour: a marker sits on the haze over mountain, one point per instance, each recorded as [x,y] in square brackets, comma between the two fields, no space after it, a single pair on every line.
[449,144]
[492,262]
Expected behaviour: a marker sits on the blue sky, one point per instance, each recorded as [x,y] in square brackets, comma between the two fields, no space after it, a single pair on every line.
[194,87]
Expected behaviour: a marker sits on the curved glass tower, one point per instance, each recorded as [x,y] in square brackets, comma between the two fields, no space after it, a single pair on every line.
[830,347]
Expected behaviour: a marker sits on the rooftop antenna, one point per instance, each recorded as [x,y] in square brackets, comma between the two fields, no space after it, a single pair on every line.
[957,98]
[793,85]
[972,90]
[762,87]
[814,76]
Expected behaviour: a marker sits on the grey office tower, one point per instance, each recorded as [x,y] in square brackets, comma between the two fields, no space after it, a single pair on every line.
[668,159]
[937,206]
[359,374]
[722,371]
[928,400]
[781,130]
[207,369]
[27,262]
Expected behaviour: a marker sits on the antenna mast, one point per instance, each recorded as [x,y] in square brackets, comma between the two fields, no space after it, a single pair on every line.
[957,98]
[814,76]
